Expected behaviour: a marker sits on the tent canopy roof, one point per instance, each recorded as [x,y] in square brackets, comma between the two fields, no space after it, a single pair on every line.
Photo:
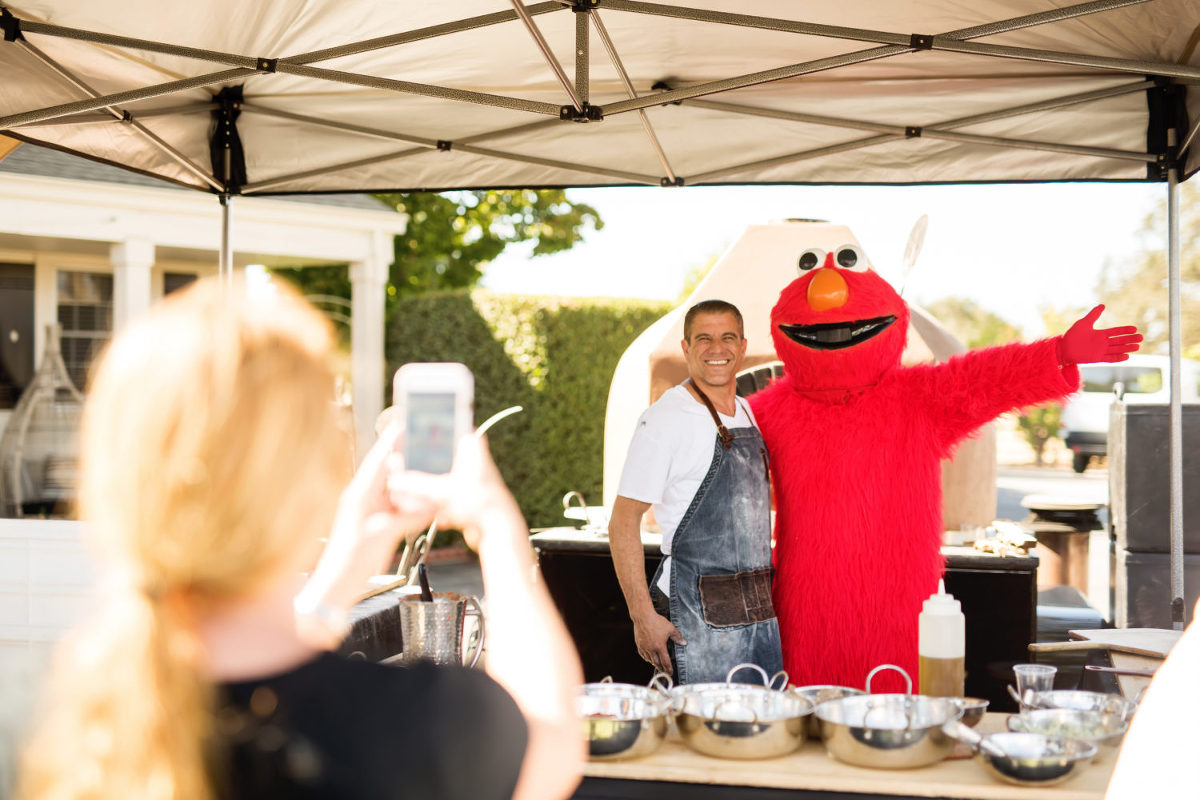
[358,95]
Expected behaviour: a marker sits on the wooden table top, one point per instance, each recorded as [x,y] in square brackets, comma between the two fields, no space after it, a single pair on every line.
[810,768]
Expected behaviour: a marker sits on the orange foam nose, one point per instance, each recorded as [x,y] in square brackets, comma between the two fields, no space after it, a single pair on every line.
[827,290]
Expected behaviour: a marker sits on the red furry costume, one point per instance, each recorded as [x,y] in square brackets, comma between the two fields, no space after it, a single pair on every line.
[856,442]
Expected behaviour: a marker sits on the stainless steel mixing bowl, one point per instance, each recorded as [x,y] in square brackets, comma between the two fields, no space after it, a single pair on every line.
[1109,704]
[973,709]
[1105,730]
[1026,759]
[821,694]
[888,731]
[743,722]
[622,720]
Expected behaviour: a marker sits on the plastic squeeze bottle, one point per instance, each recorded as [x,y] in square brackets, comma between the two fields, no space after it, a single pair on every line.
[941,645]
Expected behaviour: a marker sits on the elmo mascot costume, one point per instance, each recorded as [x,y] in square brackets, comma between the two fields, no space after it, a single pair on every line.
[856,442]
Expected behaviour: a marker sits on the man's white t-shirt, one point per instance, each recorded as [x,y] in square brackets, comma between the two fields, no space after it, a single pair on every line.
[669,456]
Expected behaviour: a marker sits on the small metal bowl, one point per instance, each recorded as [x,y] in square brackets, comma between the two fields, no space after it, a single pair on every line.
[622,720]
[1033,759]
[973,709]
[1107,704]
[822,694]
[1105,730]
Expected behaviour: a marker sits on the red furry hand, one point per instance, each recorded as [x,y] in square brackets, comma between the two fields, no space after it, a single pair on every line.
[1083,344]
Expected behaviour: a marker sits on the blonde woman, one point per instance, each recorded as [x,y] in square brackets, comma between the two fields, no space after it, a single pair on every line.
[213,467]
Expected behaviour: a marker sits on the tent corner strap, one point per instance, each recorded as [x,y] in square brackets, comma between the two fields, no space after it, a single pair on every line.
[10,25]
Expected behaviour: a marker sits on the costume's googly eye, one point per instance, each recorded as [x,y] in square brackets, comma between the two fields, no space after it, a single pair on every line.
[848,256]
[810,259]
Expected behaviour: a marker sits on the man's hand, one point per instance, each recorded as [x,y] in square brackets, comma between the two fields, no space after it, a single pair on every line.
[651,632]
[1083,344]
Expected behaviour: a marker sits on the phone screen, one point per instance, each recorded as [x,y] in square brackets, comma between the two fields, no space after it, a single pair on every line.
[429,431]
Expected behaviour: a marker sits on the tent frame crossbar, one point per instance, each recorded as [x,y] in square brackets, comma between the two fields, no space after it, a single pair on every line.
[421,34]
[544,47]
[583,57]
[634,177]
[896,44]
[383,133]
[990,116]
[939,131]
[935,131]
[1191,136]
[297,66]
[466,144]
[952,41]
[123,116]
[862,34]
[122,98]
[312,57]
[423,89]
[671,178]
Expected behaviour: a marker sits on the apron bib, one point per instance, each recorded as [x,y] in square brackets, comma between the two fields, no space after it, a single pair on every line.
[720,585]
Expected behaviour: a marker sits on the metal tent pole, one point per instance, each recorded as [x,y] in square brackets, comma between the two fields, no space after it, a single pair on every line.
[1176,410]
[225,264]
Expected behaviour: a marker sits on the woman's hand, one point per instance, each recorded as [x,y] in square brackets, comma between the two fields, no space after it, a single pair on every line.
[470,497]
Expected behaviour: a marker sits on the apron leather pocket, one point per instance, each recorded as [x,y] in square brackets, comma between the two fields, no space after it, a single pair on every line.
[742,598]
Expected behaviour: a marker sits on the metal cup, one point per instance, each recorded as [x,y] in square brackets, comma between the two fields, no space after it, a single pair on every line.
[434,631]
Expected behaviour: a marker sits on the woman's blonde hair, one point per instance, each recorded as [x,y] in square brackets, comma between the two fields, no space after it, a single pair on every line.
[211,454]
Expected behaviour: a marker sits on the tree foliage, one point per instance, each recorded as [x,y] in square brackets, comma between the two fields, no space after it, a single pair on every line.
[1040,425]
[451,238]
[1136,292]
[971,324]
[553,356]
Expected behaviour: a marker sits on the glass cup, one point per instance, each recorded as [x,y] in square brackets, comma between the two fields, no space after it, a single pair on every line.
[1034,678]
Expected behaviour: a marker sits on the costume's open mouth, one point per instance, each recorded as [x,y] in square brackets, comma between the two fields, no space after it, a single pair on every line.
[837,335]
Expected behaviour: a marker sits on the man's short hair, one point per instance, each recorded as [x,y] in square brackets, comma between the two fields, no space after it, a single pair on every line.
[711,307]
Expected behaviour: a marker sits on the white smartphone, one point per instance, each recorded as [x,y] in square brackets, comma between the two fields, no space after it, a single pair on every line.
[436,402]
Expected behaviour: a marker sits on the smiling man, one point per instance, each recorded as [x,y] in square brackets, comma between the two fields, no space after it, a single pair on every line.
[698,459]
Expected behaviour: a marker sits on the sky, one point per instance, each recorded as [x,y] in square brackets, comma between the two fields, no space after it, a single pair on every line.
[1012,248]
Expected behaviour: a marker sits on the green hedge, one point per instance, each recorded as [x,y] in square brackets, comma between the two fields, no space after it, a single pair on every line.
[553,356]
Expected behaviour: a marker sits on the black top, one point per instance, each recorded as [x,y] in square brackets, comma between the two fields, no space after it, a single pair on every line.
[335,728]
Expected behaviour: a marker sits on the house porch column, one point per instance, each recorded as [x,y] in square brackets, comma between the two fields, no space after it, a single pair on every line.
[368,295]
[132,261]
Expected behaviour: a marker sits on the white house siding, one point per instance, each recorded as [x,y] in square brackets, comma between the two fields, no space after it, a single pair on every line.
[46,580]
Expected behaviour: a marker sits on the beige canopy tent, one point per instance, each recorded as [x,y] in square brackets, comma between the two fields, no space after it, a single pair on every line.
[751,275]
[241,98]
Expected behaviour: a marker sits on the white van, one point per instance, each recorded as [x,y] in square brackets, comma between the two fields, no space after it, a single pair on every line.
[1145,379]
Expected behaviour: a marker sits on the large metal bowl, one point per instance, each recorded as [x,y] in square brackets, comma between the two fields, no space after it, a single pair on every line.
[822,694]
[888,731]
[622,720]
[742,722]
[1026,759]
[1105,730]
[678,693]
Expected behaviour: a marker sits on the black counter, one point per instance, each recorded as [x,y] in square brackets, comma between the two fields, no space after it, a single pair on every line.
[998,596]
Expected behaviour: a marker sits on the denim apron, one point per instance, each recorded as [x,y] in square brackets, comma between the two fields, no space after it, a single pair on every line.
[725,535]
